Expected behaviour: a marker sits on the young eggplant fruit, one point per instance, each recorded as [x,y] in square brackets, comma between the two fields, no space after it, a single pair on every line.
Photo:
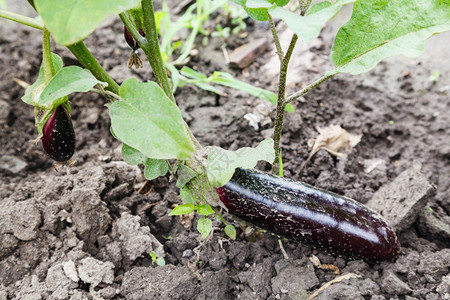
[333,223]
[129,38]
[59,137]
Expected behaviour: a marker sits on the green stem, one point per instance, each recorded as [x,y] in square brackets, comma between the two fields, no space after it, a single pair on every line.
[151,48]
[281,101]
[276,39]
[87,60]
[21,19]
[309,87]
[49,70]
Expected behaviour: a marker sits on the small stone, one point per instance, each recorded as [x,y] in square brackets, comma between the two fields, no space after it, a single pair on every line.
[401,201]
[5,110]
[70,270]
[434,225]
[12,165]
[94,271]
[294,276]
[444,287]
[188,253]
[394,285]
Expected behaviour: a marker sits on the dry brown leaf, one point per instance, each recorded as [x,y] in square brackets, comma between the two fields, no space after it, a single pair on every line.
[334,139]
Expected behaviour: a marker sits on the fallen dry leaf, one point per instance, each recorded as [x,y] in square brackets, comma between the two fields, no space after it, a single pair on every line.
[334,139]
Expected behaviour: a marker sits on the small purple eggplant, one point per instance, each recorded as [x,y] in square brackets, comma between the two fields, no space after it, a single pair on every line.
[59,137]
[129,38]
[330,222]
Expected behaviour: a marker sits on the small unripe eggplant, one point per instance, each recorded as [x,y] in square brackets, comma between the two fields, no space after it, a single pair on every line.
[330,222]
[129,38]
[59,137]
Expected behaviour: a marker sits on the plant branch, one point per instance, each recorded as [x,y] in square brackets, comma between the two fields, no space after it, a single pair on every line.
[151,48]
[87,60]
[49,70]
[276,39]
[132,29]
[309,87]
[21,19]
[281,102]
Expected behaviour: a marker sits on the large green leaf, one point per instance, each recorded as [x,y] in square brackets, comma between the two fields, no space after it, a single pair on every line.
[308,27]
[71,21]
[258,14]
[66,81]
[149,122]
[32,92]
[222,163]
[379,29]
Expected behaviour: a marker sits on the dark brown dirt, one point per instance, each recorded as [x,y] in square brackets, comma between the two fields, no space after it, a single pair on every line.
[85,233]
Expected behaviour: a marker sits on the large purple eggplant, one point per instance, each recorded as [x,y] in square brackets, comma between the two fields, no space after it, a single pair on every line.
[333,223]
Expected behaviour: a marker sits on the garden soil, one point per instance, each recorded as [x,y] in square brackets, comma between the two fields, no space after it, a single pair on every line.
[86,232]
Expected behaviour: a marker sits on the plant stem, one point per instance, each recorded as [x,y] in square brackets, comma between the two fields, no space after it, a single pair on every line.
[49,71]
[309,87]
[88,61]
[276,39]
[21,19]
[151,48]
[281,101]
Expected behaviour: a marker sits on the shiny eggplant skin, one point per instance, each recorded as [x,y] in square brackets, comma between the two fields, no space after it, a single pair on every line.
[333,223]
[59,137]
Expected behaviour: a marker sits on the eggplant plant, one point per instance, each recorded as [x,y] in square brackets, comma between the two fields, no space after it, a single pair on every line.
[146,119]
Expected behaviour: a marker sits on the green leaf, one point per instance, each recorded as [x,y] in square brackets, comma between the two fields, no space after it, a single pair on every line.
[191,73]
[132,156]
[182,209]
[204,210]
[186,195]
[258,14]
[258,4]
[147,120]
[230,230]
[33,91]
[379,29]
[70,21]
[160,261]
[185,174]
[279,2]
[155,168]
[204,226]
[227,79]
[308,27]
[318,6]
[66,81]
[222,163]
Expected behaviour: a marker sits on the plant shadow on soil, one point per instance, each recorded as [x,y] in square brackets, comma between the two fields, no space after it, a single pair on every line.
[86,231]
